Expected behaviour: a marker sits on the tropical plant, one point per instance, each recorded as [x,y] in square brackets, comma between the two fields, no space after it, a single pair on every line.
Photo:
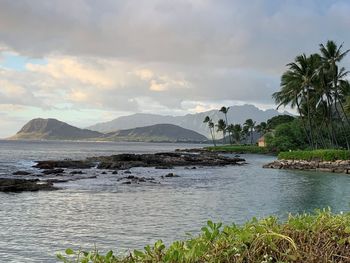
[221,127]
[262,128]
[249,126]
[210,123]
[317,86]
[224,110]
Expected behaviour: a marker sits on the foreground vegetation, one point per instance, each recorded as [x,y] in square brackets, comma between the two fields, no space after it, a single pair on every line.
[320,155]
[238,149]
[318,237]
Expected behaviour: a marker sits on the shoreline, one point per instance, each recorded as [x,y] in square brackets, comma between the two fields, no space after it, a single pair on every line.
[338,166]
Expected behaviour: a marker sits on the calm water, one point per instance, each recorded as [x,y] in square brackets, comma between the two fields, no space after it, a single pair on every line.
[101,211]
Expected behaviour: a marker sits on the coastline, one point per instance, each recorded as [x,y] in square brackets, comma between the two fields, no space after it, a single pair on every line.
[338,166]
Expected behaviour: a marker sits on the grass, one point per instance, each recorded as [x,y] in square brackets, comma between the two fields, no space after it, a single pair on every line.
[309,238]
[238,149]
[320,155]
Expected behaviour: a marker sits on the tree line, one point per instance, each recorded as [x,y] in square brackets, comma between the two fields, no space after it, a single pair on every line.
[318,88]
[236,132]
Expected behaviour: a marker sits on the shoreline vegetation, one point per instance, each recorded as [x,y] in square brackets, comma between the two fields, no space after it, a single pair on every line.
[318,237]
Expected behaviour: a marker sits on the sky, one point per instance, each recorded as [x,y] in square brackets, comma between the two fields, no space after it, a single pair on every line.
[87,61]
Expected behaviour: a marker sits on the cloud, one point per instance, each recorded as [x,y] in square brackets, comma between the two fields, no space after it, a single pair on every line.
[158,55]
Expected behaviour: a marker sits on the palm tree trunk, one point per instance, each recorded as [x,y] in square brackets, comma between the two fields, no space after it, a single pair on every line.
[212,137]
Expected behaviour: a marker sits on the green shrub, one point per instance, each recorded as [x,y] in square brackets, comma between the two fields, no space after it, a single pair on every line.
[318,237]
[321,155]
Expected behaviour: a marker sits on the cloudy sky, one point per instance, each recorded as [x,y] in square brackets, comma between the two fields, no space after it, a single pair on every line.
[87,61]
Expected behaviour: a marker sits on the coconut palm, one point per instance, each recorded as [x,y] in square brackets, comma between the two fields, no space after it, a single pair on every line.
[236,131]
[249,126]
[224,110]
[208,120]
[221,127]
[261,128]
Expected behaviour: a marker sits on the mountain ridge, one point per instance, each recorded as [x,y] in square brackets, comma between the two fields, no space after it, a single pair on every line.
[53,129]
[192,121]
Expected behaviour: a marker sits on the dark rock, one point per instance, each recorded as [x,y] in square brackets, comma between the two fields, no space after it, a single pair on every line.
[53,171]
[127,172]
[171,175]
[103,173]
[115,172]
[163,167]
[86,164]
[20,185]
[76,172]
[128,182]
[21,173]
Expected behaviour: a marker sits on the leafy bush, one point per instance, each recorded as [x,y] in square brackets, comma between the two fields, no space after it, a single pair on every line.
[318,237]
[321,155]
[287,136]
[238,149]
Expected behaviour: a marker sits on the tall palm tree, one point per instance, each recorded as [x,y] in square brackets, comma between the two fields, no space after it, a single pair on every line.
[208,120]
[331,55]
[221,126]
[249,126]
[224,110]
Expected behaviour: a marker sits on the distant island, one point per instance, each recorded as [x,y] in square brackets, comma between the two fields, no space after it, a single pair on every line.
[52,129]
[142,127]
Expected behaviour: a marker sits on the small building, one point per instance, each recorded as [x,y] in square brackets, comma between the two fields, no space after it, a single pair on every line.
[261,142]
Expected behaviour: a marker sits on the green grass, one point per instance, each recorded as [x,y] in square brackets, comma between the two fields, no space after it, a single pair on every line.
[320,155]
[238,149]
[318,237]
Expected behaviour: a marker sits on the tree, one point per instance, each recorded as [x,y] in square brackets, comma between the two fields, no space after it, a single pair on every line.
[208,120]
[224,110]
[249,126]
[277,120]
[262,128]
[221,126]
[236,132]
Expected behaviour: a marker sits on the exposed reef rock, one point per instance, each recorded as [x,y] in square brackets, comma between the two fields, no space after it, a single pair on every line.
[127,161]
[20,185]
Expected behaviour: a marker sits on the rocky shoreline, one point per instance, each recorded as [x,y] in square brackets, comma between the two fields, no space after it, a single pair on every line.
[339,166]
[60,171]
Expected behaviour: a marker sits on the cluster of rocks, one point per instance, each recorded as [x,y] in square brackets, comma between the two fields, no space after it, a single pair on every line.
[19,185]
[160,160]
[339,166]
[114,163]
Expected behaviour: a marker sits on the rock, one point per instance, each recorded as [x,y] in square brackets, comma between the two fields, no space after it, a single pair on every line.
[115,172]
[164,167]
[171,175]
[20,185]
[53,171]
[128,182]
[76,172]
[86,164]
[104,173]
[127,172]
[313,165]
[21,173]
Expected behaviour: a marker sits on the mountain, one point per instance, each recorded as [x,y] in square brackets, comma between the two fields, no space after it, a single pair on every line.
[236,114]
[52,129]
[156,133]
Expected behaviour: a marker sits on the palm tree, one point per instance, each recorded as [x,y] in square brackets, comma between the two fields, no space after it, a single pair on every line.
[262,128]
[249,126]
[236,131]
[331,54]
[224,110]
[208,120]
[221,126]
